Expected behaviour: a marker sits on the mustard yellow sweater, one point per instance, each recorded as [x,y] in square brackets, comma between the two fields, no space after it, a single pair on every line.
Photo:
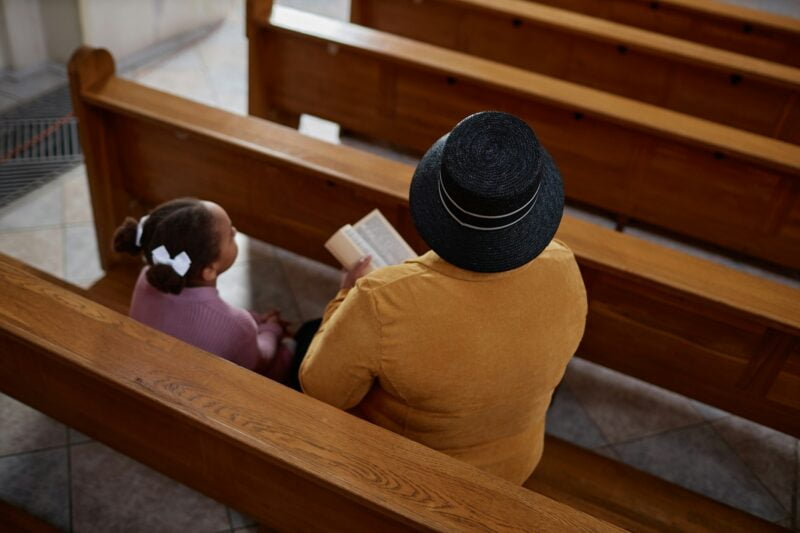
[460,361]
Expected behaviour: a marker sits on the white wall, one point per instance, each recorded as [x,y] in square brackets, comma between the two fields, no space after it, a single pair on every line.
[24,34]
[62,28]
[129,26]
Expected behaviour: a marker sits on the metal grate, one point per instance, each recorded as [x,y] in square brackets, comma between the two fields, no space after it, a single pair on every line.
[38,142]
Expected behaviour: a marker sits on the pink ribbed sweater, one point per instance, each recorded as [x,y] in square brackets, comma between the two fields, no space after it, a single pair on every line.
[200,317]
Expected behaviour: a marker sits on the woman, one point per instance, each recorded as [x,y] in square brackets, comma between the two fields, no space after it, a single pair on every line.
[461,348]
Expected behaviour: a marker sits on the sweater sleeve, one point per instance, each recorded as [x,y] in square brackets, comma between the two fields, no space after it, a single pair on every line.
[344,357]
[256,352]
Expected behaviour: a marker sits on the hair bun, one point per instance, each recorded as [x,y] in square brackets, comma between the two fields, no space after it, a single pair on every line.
[165,279]
[125,237]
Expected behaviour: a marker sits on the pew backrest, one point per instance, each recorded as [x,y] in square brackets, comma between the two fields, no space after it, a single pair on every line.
[721,336]
[708,181]
[740,91]
[747,31]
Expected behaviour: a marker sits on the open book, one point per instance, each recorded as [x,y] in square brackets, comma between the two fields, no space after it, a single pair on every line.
[372,235]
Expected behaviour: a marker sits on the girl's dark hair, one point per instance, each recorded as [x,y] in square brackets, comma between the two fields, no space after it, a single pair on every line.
[182,225]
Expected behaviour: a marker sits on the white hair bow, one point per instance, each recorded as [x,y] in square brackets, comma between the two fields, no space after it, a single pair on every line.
[180,263]
[140,230]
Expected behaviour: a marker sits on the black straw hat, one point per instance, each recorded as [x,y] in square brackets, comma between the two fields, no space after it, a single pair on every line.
[487,196]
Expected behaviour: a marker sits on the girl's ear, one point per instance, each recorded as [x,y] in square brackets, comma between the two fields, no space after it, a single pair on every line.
[209,273]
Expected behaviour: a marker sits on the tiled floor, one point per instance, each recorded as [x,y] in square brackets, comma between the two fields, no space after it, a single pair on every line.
[81,485]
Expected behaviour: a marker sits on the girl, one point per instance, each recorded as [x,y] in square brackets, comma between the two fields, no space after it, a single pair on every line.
[187,244]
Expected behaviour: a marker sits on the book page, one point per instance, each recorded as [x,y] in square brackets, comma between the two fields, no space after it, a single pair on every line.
[347,246]
[381,236]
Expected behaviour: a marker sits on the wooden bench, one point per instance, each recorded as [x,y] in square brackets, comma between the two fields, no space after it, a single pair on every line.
[721,336]
[712,22]
[286,459]
[705,180]
[740,91]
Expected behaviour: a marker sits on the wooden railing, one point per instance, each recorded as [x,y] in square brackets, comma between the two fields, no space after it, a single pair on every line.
[691,176]
[740,91]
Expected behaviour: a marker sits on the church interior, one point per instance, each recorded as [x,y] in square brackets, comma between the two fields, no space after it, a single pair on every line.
[676,124]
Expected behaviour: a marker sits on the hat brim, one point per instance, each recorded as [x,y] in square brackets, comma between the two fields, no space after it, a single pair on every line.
[484,251]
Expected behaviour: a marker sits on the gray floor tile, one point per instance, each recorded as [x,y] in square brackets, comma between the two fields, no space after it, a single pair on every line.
[567,420]
[76,437]
[789,8]
[623,407]
[313,284]
[32,85]
[111,492]
[77,201]
[711,255]
[25,429]
[769,454]
[82,260]
[40,248]
[608,451]
[698,459]
[708,412]
[259,285]
[7,102]
[42,207]
[38,483]
[240,519]
[590,215]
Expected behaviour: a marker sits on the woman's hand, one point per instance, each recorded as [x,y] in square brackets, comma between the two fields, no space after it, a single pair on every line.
[351,276]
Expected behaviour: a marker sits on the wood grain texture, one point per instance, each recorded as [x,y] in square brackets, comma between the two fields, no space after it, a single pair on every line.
[739,29]
[630,498]
[741,91]
[711,182]
[679,322]
[298,463]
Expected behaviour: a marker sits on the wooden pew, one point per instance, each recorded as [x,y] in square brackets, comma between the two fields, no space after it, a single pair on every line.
[740,91]
[721,336]
[691,176]
[712,22]
[274,180]
[290,461]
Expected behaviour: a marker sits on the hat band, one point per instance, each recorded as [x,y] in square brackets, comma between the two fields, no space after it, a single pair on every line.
[485,222]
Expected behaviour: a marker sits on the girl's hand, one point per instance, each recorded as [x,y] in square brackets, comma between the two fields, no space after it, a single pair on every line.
[350,277]
[274,317]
